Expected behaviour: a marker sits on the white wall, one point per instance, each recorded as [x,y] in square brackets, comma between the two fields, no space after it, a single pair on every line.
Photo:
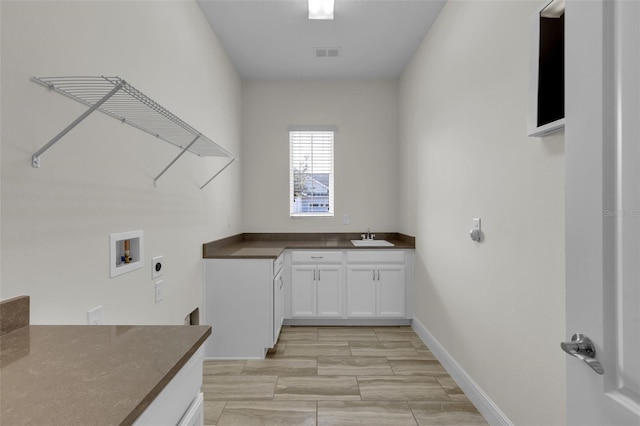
[366,152]
[496,307]
[56,220]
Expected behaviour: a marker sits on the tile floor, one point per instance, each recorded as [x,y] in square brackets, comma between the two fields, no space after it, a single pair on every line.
[338,376]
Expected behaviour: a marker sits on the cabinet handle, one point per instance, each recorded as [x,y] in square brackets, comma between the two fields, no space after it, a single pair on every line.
[318,274]
[374,274]
[314,274]
[317,257]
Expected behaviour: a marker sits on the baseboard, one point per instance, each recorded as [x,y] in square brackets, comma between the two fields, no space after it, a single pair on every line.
[476,395]
[347,322]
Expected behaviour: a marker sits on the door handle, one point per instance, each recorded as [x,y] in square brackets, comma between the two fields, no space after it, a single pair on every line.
[582,348]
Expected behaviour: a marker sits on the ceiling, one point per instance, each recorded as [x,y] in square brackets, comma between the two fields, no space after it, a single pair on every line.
[273,39]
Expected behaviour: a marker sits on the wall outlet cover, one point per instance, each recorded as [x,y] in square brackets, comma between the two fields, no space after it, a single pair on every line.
[94,316]
[157,266]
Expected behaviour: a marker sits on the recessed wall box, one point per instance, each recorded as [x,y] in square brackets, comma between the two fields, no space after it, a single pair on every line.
[125,252]
[546,75]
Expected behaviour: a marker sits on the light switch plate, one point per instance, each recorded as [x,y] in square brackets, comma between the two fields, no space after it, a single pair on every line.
[159,290]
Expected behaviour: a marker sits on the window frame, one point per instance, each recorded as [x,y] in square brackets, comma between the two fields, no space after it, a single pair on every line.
[331,178]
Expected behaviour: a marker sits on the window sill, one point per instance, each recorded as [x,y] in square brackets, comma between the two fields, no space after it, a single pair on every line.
[305,215]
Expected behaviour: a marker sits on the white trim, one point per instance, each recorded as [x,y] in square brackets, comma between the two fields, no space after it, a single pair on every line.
[299,215]
[547,129]
[312,152]
[347,322]
[491,412]
[313,129]
[533,130]
[233,358]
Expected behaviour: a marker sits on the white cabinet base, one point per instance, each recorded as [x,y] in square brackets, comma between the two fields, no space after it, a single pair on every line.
[178,398]
[317,287]
[238,305]
[195,414]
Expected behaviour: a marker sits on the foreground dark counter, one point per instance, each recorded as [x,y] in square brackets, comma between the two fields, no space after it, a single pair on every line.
[89,375]
[270,246]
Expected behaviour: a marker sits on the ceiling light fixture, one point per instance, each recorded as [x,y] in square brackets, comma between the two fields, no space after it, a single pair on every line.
[321,9]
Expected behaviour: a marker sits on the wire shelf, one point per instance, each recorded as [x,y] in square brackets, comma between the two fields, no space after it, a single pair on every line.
[120,100]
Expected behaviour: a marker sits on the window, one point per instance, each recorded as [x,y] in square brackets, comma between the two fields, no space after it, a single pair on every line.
[311,172]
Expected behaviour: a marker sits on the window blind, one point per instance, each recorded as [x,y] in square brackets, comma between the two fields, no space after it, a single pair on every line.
[311,183]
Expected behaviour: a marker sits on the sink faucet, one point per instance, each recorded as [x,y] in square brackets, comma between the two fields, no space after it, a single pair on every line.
[368,235]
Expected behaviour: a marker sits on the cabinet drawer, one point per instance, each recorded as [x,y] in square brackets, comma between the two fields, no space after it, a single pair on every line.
[375,256]
[316,256]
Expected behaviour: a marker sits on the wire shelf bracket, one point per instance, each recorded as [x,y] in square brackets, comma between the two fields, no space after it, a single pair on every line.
[118,99]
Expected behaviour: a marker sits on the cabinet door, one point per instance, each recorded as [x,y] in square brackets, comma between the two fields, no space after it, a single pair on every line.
[303,291]
[361,291]
[278,306]
[329,291]
[281,310]
[390,291]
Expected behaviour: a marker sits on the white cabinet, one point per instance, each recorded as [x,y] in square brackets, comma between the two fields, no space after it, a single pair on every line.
[390,291]
[316,284]
[180,402]
[246,300]
[195,414]
[242,304]
[350,285]
[376,284]
[303,291]
[329,291]
[361,291]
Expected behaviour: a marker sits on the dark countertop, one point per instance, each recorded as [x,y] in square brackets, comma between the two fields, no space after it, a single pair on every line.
[89,375]
[270,246]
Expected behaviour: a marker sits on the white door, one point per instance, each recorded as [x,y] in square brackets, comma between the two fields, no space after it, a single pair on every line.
[303,291]
[602,154]
[390,291]
[329,291]
[361,291]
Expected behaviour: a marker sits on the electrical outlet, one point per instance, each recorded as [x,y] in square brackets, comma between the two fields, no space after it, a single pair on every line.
[157,265]
[94,316]
[159,290]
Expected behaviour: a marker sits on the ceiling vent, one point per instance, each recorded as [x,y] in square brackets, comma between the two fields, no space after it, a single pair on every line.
[326,52]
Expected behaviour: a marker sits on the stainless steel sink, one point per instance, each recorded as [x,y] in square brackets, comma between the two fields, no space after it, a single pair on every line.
[371,243]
